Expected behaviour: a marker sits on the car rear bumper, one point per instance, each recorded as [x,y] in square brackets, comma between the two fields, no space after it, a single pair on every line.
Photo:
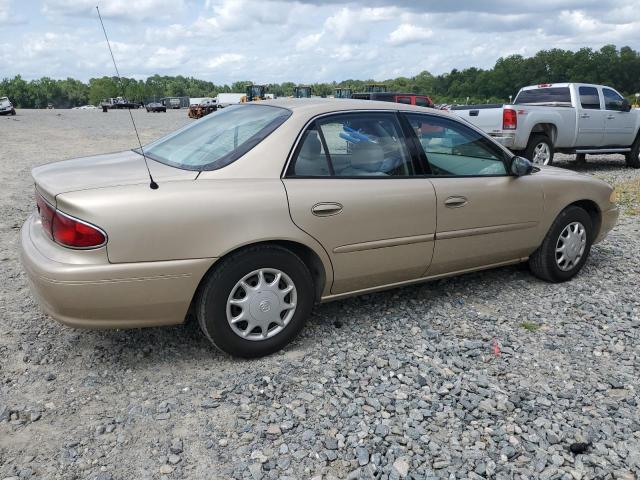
[85,294]
[608,221]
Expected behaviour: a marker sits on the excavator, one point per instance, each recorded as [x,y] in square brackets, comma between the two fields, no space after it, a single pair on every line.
[254,93]
[342,93]
[302,91]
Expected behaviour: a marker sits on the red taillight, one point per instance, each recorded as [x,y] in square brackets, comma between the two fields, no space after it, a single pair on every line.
[46,212]
[509,119]
[66,230]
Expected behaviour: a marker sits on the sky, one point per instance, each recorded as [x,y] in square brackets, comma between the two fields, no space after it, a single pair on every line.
[303,41]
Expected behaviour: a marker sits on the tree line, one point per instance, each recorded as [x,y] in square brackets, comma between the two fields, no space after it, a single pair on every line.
[619,68]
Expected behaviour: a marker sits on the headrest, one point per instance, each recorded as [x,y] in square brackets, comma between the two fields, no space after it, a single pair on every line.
[311,145]
[367,156]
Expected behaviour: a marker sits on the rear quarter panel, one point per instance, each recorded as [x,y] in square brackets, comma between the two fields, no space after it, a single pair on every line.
[562,118]
[188,220]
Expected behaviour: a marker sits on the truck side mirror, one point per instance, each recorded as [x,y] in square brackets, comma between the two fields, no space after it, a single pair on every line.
[626,106]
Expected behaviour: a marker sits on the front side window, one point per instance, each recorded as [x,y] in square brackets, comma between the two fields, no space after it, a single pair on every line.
[422,102]
[612,100]
[353,145]
[589,98]
[219,138]
[405,100]
[453,149]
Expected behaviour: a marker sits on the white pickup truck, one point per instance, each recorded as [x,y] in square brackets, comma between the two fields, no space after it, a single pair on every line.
[575,118]
[6,107]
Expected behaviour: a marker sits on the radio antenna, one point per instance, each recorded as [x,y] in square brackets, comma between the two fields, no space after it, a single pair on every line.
[152,184]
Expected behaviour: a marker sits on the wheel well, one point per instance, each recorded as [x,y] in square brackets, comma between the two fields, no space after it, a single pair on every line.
[308,256]
[549,129]
[592,209]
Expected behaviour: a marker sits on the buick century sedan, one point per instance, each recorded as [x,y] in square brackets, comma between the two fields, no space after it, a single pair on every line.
[262,210]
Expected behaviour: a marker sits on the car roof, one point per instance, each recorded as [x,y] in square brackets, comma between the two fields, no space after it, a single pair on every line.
[318,106]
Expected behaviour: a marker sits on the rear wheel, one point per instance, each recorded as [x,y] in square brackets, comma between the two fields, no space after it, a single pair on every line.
[633,157]
[539,150]
[255,301]
[565,248]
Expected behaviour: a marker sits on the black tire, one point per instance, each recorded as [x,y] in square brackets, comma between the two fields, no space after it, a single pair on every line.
[534,141]
[581,158]
[13,111]
[543,261]
[211,300]
[633,157]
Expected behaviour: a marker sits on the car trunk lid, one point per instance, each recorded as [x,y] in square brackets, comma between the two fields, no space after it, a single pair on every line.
[101,171]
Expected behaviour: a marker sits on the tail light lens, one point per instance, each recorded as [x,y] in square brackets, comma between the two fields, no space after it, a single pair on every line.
[67,230]
[509,119]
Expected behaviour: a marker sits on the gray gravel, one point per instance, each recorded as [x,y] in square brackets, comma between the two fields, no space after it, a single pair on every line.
[489,375]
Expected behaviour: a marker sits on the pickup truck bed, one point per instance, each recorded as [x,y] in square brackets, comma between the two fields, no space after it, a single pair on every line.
[568,118]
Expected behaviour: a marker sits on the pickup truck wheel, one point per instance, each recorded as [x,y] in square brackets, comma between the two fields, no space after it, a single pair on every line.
[581,158]
[539,150]
[565,248]
[13,111]
[633,157]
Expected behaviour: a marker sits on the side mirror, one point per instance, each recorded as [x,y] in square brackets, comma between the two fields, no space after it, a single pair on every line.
[626,106]
[520,166]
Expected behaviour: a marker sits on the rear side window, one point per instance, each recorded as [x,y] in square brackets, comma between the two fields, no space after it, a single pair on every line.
[612,100]
[422,102]
[219,138]
[544,95]
[589,98]
[353,145]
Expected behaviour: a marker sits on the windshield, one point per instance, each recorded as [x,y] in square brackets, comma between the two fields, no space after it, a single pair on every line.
[219,138]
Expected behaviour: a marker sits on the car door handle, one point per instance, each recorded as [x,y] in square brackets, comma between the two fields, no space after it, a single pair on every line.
[455,202]
[611,117]
[326,209]
[584,115]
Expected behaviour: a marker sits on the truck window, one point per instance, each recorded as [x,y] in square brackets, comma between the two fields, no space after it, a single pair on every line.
[589,98]
[612,100]
[544,95]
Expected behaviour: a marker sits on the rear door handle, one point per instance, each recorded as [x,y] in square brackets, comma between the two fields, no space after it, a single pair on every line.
[611,117]
[584,115]
[326,209]
[456,201]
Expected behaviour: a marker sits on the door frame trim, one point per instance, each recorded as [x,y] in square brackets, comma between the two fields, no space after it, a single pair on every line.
[470,232]
[389,242]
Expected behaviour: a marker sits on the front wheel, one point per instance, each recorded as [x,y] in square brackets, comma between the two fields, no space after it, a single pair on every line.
[255,301]
[13,111]
[565,248]
[539,150]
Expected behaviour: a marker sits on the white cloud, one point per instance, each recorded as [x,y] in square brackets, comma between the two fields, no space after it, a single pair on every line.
[136,10]
[225,59]
[167,58]
[407,33]
[309,41]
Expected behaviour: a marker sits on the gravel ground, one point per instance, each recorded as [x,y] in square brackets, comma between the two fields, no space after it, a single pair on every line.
[488,375]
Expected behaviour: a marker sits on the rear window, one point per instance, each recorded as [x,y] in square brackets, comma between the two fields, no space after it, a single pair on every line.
[218,139]
[544,95]
[589,98]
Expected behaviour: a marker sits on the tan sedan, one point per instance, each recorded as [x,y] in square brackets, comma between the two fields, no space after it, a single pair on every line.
[264,209]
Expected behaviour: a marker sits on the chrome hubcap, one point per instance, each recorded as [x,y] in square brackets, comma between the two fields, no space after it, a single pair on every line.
[541,154]
[570,246]
[261,304]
